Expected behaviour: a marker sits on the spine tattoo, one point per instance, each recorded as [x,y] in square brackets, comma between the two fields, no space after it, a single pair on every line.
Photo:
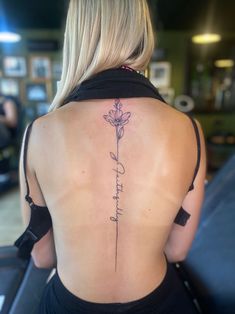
[117,119]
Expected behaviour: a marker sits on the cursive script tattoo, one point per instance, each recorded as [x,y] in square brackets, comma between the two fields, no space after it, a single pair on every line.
[117,119]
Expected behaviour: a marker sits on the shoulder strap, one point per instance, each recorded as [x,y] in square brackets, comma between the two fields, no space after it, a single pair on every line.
[198,152]
[26,141]
[182,215]
[40,219]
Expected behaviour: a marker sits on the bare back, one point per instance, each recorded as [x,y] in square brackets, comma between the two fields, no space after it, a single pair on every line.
[113,200]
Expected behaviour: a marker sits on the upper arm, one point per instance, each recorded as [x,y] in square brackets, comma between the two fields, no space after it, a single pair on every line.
[43,252]
[181,237]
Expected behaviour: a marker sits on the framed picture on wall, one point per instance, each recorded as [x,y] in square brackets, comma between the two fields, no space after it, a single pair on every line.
[14,66]
[42,108]
[168,94]
[9,87]
[36,92]
[40,68]
[160,74]
[56,70]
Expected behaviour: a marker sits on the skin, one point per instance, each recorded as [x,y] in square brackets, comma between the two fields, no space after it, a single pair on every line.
[10,119]
[70,170]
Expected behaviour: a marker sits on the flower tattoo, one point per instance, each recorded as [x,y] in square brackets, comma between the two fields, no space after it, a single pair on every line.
[117,119]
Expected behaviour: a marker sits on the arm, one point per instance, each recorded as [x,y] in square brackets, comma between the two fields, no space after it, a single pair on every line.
[10,119]
[43,252]
[181,237]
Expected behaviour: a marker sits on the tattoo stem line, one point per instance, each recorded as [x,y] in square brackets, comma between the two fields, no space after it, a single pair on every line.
[117,119]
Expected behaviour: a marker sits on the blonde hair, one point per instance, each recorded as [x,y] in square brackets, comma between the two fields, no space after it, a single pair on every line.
[103,34]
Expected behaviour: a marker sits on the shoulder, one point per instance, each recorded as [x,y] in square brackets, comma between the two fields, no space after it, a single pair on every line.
[185,129]
[174,118]
[186,121]
[44,123]
[41,130]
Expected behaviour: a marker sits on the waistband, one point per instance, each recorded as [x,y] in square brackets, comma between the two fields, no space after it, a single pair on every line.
[153,300]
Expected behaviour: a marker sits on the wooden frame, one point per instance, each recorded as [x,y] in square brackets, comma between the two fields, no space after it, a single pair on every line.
[14,66]
[10,87]
[36,92]
[160,74]
[56,69]
[40,68]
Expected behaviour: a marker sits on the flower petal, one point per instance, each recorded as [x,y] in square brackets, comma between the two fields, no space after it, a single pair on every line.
[118,114]
[112,113]
[109,119]
[126,116]
[118,104]
[125,122]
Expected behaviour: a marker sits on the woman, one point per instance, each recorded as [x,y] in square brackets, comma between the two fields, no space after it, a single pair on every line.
[117,165]
[8,132]
[8,120]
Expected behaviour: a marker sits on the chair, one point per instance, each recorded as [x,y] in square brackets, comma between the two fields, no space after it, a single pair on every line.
[210,264]
[21,283]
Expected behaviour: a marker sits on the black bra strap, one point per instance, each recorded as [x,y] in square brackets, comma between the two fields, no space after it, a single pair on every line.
[27,133]
[198,152]
[182,217]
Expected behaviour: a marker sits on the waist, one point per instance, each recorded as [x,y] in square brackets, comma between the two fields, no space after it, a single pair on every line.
[132,280]
[154,298]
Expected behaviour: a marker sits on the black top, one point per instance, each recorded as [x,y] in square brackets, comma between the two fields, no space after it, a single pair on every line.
[114,83]
[2,111]
[3,99]
[109,84]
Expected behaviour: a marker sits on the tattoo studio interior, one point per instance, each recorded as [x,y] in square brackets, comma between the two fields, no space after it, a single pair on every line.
[193,69]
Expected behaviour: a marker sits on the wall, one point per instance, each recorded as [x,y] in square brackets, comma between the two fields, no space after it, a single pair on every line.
[20,49]
[175,44]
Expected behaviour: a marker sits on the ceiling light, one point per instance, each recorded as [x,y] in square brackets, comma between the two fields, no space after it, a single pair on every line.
[224,63]
[9,37]
[206,38]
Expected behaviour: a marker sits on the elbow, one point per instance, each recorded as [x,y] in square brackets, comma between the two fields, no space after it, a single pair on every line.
[43,253]
[43,262]
[175,255]
[176,258]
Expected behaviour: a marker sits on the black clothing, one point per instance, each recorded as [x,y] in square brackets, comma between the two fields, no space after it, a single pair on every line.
[114,83]
[3,99]
[170,297]
[2,111]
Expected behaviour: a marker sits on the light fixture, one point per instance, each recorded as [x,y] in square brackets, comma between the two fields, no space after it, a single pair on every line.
[206,38]
[9,37]
[224,63]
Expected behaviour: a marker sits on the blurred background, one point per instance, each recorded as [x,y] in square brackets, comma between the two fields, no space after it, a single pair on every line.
[192,66]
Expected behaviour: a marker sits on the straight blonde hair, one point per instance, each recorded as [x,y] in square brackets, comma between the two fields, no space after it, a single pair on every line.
[103,34]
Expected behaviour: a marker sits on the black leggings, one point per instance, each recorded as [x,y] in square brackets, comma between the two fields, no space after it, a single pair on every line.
[170,297]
